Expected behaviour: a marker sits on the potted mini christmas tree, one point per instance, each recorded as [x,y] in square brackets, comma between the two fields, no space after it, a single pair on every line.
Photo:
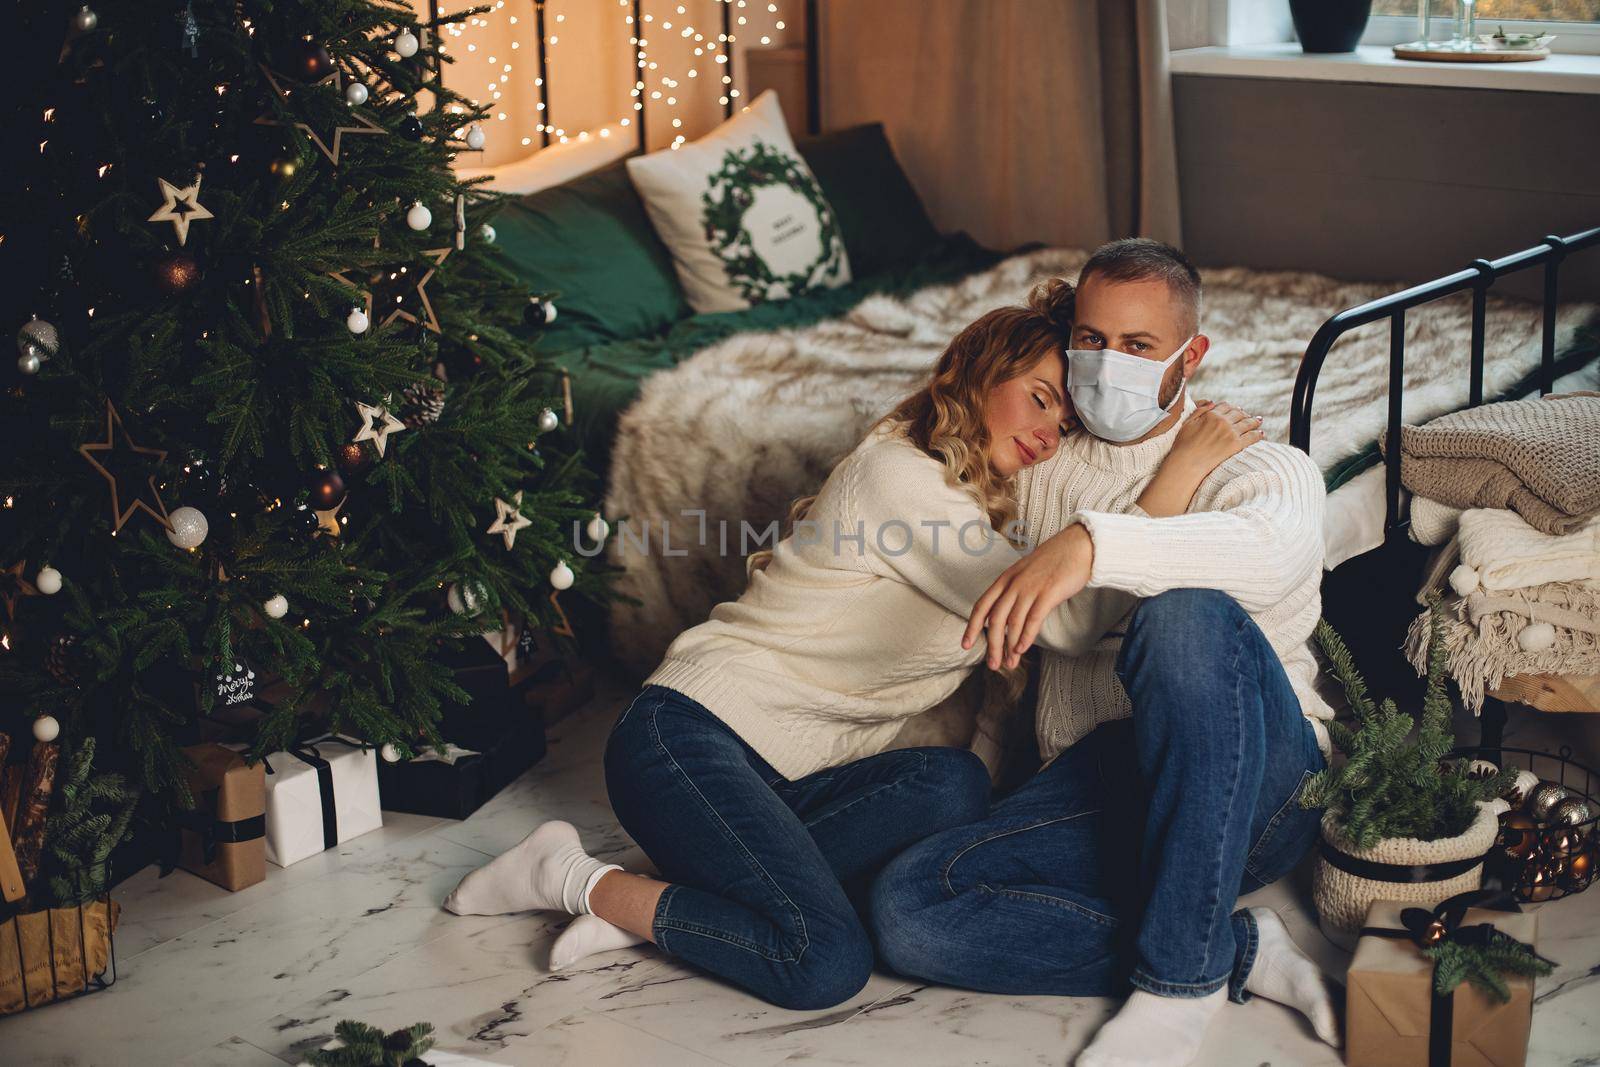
[1401,821]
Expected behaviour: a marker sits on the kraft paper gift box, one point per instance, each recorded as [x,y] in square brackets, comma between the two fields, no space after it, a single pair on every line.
[1389,1000]
[318,795]
[224,838]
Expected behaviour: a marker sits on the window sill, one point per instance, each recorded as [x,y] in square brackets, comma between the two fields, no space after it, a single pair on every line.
[1376,64]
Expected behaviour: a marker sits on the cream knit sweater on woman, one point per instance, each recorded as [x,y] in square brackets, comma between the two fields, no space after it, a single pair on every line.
[1253,531]
[855,625]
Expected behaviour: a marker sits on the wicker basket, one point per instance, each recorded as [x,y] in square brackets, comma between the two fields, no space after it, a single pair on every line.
[1342,897]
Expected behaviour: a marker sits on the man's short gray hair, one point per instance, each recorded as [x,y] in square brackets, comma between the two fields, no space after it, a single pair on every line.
[1134,259]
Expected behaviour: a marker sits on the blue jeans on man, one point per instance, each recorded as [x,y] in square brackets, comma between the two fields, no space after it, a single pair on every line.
[1120,861]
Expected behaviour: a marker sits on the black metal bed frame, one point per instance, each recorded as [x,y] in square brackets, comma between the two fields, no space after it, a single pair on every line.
[1479,276]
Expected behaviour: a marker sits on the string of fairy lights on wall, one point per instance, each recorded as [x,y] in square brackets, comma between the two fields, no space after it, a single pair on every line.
[666,85]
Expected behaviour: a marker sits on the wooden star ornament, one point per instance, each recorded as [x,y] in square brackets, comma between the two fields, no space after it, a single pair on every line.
[508,519]
[362,124]
[108,447]
[180,207]
[393,307]
[371,415]
[13,587]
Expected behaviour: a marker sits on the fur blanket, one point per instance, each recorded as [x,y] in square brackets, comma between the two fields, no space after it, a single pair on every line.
[738,431]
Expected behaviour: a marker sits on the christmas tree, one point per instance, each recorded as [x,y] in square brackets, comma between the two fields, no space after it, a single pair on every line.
[278,421]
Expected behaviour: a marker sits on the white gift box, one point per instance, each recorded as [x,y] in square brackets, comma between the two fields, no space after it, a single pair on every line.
[433,1057]
[318,795]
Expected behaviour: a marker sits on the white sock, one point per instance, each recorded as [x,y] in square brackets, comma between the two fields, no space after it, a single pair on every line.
[1152,1031]
[546,871]
[586,935]
[1284,974]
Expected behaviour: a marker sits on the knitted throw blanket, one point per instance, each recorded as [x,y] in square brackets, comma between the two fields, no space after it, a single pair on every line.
[1507,553]
[1537,457]
[1481,637]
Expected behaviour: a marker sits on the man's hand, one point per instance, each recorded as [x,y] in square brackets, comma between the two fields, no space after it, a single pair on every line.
[1016,605]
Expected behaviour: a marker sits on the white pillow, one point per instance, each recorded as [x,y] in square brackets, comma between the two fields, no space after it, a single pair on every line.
[742,214]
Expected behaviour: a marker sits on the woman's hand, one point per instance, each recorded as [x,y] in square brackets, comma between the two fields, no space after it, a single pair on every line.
[1215,432]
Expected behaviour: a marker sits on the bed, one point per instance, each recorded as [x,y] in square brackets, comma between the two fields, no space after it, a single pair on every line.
[706,427]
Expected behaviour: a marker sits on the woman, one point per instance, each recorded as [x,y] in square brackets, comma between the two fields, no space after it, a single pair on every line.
[756,766]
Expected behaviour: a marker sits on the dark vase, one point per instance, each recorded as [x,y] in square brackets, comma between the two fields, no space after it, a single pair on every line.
[1329,25]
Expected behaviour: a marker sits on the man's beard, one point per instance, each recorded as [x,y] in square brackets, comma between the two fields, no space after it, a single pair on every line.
[1171,385]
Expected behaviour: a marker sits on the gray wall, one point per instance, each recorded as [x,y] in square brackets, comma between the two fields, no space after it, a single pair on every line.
[1378,182]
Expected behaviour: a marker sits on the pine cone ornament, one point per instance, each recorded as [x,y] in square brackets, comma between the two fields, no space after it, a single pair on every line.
[58,661]
[424,403]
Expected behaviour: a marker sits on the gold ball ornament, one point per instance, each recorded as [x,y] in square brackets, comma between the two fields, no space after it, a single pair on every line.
[283,168]
[177,273]
[1580,870]
[1434,933]
[1518,835]
[1539,885]
[1544,797]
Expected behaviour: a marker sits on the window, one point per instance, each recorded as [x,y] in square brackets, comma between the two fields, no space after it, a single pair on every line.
[1490,11]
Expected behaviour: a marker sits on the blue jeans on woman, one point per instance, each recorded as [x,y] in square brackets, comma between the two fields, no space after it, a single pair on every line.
[763,870]
[1120,861]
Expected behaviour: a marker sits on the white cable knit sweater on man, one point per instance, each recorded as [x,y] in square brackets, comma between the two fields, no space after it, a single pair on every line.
[1253,531]
[855,625]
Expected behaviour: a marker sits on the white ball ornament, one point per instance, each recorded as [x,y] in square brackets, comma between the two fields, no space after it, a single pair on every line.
[357,321]
[389,753]
[405,45]
[189,527]
[85,20]
[46,728]
[276,607]
[548,421]
[419,217]
[463,599]
[598,529]
[48,581]
[487,233]
[561,576]
[355,94]
[476,138]
[1536,637]
[549,311]
[28,363]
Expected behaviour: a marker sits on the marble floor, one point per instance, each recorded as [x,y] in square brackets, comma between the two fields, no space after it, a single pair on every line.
[255,978]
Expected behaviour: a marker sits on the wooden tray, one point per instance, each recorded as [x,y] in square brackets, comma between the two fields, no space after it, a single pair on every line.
[1551,692]
[1478,55]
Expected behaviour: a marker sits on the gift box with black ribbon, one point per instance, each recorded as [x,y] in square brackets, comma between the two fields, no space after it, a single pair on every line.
[458,781]
[223,839]
[318,795]
[1425,986]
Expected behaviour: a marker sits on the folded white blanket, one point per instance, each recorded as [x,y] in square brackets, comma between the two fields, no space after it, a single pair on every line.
[1507,553]
[1433,523]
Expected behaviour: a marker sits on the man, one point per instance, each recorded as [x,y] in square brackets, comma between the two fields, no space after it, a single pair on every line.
[1175,751]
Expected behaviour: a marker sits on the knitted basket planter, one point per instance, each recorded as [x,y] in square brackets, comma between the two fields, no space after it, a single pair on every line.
[1342,896]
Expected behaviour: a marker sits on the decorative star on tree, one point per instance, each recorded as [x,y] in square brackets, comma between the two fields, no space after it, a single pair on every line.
[363,124]
[509,519]
[371,414]
[180,207]
[394,284]
[119,514]
[13,587]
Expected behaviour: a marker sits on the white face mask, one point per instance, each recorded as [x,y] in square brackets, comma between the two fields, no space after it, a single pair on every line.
[1117,396]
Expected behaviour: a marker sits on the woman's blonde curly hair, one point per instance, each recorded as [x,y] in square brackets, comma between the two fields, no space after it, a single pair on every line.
[945,418]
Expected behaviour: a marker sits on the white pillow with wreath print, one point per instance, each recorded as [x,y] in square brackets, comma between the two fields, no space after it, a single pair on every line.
[742,214]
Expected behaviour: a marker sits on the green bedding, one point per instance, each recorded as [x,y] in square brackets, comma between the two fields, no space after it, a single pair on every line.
[606,377]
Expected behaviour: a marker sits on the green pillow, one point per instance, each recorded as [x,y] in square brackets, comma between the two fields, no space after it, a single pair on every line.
[589,241]
[880,215]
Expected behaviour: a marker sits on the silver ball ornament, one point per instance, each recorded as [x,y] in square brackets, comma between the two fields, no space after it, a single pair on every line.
[85,19]
[355,94]
[47,581]
[189,527]
[476,138]
[1545,796]
[46,728]
[463,598]
[487,233]
[40,338]
[561,576]
[1570,811]
[357,321]
[419,217]
[406,45]
[548,421]
[276,607]
[28,363]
